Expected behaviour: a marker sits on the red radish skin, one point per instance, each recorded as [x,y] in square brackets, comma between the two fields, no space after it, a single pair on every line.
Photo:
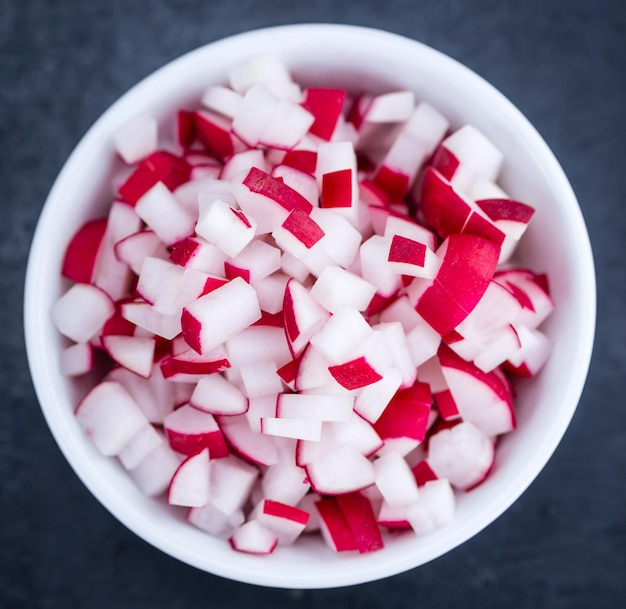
[81,253]
[334,526]
[423,473]
[264,184]
[337,189]
[303,160]
[326,106]
[185,128]
[303,228]
[190,431]
[355,374]
[358,512]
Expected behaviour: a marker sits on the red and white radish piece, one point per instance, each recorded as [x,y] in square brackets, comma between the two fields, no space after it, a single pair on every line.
[285,521]
[253,538]
[339,471]
[82,311]
[190,483]
[190,430]
[136,139]
[77,359]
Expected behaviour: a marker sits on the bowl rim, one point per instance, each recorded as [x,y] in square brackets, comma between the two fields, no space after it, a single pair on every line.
[362,571]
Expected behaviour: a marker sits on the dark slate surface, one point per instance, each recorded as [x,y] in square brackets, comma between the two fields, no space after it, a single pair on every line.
[562,545]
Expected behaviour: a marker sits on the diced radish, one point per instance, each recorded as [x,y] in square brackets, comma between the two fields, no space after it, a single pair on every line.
[285,482]
[361,519]
[195,253]
[299,429]
[307,503]
[342,335]
[147,317]
[298,233]
[395,480]
[393,518]
[303,316]
[140,446]
[288,124]
[261,69]
[256,261]
[400,353]
[154,472]
[136,139]
[270,291]
[408,228]
[154,396]
[393,107]
[406,416]
[259,408]
[462,454]
[326,106]
[227,228]
[467,266]
[190,483]
[375,268]
[409,257]
[243,162]
[373,399]
[440,502]
[215,395]
[337,288]
[81,254]
[466,155]
[133,249]
[339,471]
[258,344]
[82,311]
[222,99]
[109,417]
[231,481]
[355,374]
[160,210]
[531,355]
[254,447]
[314,407]
[336,175]
[301,181]
[534,297]
[481,398]
[134,353]
[214,131]
[253,538]
[77,359]
[412,147]
[214,521]
[285,521]
[213,319]
[189,431]
[160,166]
[334,527]
[294,267]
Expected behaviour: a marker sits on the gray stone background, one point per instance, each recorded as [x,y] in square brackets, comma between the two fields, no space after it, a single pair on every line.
[563,63]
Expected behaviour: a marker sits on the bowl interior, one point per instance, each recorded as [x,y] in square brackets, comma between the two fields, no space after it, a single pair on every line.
[357,59]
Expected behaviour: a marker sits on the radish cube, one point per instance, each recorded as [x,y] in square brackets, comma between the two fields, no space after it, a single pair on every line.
[285,521]
[395,480]
[270,291]
[82,311]
[161,211]
[242,162]
[110,417]
[214,521]
[361,519]
[132,352]
[256,261]
[215,395]
[393,107]
[140,446]
[81,254]
[261,69]
[342,335]
[77,359]
[326,106]
[259,408]
[314,407]
[375,268]
[133,249]
[339,471]
[253,538]
[154,472]
[227,228]
[154,396]
[337,288]
[258,344]
[260,379]
[136,139]
[147,317]
[285,482]
[288,124]
[255,447]
[334,527]
[190,430]
[374,398]
[190,483]
[223,100]
[213,319]
[409,257]
[231,481]
[298,233]
[299,429]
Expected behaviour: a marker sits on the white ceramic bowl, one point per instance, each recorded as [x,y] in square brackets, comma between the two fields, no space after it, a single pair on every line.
[557,243]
